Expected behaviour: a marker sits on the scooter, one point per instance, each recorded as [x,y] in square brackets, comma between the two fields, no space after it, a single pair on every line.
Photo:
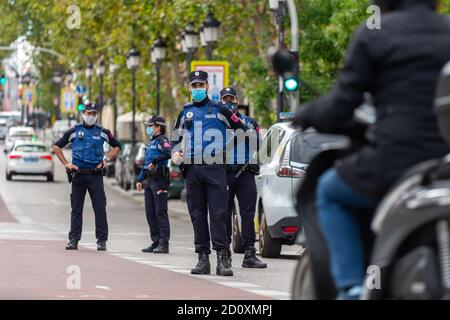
[406,239]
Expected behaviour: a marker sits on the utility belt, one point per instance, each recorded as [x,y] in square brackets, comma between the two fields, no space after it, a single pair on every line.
[160,172]
[71,174]
[251,168]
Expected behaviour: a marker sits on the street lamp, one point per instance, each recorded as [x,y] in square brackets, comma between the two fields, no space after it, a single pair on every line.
[89,74]
[69,77]
[158,54]
[113,69]
[211,32]
[57,79]
[202,36]
[101,68]
[191,41]
[26,79]
[133,57]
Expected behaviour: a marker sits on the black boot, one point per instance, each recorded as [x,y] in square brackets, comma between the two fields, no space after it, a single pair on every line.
[150,249]
[223,263]
[72,245]
[229,258]
[251,261]
[161,249]
[203,266]
[101,246]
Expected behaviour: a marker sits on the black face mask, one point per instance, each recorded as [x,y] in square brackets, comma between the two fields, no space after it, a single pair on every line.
[231,106]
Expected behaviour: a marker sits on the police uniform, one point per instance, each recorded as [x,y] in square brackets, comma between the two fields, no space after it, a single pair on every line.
[156,189]
[205,181]
[87,153]
[241,170]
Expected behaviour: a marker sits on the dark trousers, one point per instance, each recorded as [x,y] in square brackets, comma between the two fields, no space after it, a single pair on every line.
[93,183]
[244,188]
[206,189]
[156,210]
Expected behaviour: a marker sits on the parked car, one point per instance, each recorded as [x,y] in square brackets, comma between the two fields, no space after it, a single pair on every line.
[60,127]
[3,128]
[119,163]
[133,165]
[289,153]
[176,181]
[29,158]
[12,117]
[18,133]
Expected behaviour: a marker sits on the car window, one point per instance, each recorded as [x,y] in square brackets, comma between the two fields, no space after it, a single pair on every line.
[307,145]
[270,143]
[30,148]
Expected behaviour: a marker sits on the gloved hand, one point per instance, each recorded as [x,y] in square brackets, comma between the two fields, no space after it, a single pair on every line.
[177,157]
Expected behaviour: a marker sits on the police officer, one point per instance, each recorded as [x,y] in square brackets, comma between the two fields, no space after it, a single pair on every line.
[88,165]
[241,170]
[204,170]
[155,167]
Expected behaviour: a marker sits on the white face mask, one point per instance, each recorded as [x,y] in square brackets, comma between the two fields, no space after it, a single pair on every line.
[89,120]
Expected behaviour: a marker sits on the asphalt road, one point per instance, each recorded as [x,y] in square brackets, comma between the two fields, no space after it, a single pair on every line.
[34,222]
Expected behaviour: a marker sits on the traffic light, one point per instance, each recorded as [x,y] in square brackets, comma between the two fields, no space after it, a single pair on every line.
[285,64]
[80,107]
[3,80]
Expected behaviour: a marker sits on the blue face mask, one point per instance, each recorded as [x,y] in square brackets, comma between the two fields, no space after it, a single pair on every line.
[198,94]
[150,131]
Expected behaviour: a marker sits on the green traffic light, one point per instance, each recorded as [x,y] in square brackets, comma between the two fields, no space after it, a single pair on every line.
[80,107]
[3,81]
[291,84]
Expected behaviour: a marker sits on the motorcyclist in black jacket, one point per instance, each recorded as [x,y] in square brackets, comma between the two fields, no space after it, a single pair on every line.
[398,65]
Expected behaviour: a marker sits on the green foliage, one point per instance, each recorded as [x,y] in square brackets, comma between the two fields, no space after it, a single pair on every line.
[110,27]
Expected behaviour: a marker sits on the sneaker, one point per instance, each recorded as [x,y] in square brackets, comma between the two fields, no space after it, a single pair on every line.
[101,246]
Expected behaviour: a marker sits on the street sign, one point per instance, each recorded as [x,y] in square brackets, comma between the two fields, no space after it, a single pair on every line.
[218,75]
[81,90]
[69,101]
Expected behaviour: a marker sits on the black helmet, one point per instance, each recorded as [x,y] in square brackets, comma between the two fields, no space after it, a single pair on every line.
[390,5]
[155,120]
[442,102]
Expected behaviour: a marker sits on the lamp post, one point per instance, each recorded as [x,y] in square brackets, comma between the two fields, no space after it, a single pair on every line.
[57,79]
[101,68]
[89,73]
[113,68]
[133,57]
[69,77]
[210,33]
[279,10]
[26,79]
[158,54]
[191,41]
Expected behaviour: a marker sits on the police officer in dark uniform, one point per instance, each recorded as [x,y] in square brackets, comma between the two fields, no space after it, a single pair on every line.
[157,171]
[87,169]
[241,170]
[204,170]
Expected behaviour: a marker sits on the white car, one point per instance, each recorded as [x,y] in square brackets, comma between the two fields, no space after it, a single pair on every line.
[30,158]
[3,128]
[289,154]
[18,133]
[60,127]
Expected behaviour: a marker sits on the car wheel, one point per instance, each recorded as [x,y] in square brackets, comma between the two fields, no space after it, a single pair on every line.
[8,177]
[303,286]
[50,178]
[268,247]
[238,246]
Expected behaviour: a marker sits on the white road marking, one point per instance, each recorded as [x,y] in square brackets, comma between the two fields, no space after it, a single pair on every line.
[104,288]
[237,284]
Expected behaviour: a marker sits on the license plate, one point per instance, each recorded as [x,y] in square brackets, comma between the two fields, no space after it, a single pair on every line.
[30,159]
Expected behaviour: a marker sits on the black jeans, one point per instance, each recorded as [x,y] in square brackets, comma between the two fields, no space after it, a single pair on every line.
[206,190]
[244,188]
[156,210]
[93,183]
